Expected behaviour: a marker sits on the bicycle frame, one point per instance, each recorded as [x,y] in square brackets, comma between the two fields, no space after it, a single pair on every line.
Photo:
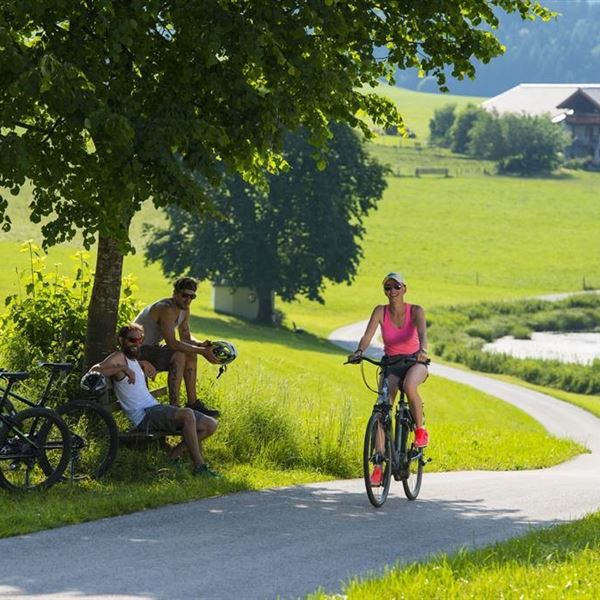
[8,424]
[402,423]
[8,392]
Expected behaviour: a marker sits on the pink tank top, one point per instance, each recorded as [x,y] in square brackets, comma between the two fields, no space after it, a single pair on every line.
[399,340]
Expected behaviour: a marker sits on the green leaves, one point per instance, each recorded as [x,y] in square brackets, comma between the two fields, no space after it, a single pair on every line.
[47,320]
[118,97]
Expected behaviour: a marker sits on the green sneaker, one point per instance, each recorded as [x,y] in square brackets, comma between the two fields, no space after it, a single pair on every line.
[205,471]
[176,463]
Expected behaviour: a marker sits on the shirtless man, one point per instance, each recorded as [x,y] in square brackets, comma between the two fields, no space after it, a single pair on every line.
[176,354]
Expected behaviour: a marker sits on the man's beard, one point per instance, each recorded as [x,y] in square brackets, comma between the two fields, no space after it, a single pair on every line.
[131,351]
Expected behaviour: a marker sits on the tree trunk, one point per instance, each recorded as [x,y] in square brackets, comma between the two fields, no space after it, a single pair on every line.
[265,308]
[104,303]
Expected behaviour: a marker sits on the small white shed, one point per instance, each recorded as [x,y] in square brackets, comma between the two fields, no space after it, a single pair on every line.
[237,301]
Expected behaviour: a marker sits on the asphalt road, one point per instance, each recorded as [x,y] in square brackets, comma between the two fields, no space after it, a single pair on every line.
[287,542]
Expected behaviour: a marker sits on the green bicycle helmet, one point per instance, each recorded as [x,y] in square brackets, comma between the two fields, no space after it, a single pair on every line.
[224,352]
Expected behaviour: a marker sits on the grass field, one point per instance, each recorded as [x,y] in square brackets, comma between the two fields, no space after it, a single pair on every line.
[456,240]
[469,239]
[417,108]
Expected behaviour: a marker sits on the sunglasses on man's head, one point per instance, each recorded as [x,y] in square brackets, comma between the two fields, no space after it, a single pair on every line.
[187,295]
[393,286]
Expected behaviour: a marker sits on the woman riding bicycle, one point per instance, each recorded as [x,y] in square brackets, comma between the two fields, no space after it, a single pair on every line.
[404,334]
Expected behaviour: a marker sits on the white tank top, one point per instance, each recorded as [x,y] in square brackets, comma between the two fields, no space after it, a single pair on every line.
[152,333]
[134,397]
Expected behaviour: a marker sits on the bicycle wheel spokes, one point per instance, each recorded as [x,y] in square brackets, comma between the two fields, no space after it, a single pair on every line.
[35,454]
[94,438]
[377,460]
[413,468]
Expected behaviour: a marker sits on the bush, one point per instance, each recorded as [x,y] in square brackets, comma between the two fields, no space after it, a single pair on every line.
[520,332]
[485,137]
[463,124]
[521,144]
[47,321]
[577,164]
[441,124]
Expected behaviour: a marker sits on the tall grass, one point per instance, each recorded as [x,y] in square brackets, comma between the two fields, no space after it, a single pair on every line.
[273,424]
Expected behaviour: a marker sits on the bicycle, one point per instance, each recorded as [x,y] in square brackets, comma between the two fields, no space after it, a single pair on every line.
[94,433]
[35,443]
[389,442]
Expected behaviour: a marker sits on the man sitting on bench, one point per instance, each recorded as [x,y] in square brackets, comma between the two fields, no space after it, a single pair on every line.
[143,410]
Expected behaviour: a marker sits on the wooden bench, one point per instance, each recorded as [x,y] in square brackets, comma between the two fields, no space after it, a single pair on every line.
[132,436]
[432,171]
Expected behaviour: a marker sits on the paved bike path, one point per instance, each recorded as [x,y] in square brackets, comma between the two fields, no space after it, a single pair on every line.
[287,542]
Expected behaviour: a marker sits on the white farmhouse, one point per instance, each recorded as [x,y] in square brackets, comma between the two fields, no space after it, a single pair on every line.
[574,106]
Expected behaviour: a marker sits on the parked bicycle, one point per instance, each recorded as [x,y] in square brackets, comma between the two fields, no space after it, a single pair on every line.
[389,440]
[94,433]
[35,443]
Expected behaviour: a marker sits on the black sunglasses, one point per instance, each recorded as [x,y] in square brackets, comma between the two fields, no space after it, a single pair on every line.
[188,295]
[394,286]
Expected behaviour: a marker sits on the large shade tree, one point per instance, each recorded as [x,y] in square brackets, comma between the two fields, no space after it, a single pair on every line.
[107,103]
[305,228]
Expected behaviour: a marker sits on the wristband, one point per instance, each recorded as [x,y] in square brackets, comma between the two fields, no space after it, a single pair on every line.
[423,350]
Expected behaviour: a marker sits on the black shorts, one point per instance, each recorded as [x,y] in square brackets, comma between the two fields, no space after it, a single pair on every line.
[400,368]
[162,418]
[158,356]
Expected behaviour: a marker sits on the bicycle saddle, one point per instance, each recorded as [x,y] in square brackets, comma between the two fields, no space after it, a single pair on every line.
[14,375]
[57,366]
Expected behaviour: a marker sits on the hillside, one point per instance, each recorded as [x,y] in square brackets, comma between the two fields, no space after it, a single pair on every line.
[564,50]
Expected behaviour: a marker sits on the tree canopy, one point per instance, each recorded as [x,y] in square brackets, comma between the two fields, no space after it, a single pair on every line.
[105,104]
[305,229]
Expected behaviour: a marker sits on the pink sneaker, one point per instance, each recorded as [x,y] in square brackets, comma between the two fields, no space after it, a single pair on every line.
[377,475]
[421,437]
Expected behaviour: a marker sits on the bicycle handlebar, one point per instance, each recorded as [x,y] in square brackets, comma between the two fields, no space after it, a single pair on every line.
[384,360]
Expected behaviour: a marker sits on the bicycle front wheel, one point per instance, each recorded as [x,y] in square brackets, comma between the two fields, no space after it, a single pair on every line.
[94,438]
[413,468]
[34,453]
[377,460]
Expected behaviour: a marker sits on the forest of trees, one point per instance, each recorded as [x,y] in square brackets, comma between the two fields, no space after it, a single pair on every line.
[565,50]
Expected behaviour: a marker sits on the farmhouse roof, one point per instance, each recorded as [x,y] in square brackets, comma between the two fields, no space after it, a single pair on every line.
[591,95]
[539,98]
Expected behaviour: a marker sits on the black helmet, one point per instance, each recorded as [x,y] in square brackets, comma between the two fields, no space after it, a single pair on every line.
[224,352]
[94,383]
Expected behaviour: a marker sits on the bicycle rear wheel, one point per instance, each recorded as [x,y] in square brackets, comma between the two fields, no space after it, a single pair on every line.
[377,458]
[39,456]
[413,468]
[94,438]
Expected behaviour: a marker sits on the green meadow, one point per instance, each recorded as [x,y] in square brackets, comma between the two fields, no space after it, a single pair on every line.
[466,239]
[460,239]
[417,108]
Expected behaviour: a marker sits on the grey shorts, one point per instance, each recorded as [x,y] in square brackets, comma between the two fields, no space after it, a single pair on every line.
[158,356]
[162,418]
